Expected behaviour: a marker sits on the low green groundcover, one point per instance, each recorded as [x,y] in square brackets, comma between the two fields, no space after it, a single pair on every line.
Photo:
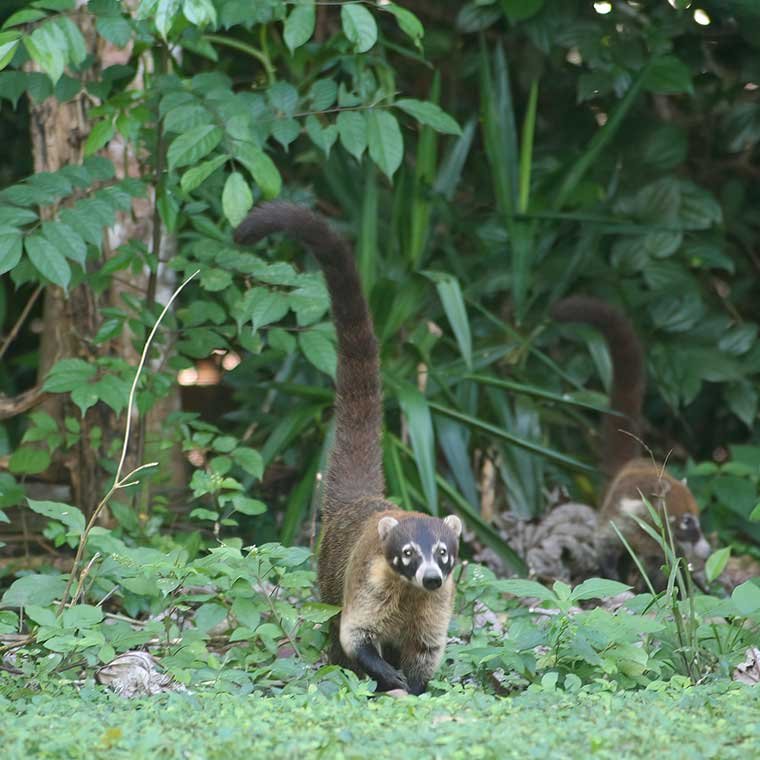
[718,721]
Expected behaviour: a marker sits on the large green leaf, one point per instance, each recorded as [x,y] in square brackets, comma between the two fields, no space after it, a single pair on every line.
[261,167]
[70,516]
[299,25]
[386,145]
[359,26]
[319,350]
[39,590]
[419,421]
[10,248]
[236,198]
[431,114]
[47,260]
[194,145]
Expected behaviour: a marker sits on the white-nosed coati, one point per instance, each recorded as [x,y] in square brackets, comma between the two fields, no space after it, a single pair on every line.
[389,569]
[629,475]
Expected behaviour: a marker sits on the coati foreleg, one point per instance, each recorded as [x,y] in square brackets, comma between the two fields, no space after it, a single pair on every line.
[360,645]
[420,663]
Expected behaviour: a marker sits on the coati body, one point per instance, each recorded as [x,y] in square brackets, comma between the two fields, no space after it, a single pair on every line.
[389,569]
[629,475]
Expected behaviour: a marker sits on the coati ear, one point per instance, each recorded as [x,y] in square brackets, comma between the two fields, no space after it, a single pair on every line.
[385,525]
[453,522]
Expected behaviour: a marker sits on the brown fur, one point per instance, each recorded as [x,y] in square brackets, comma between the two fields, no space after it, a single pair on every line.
[630,477]
[389,629]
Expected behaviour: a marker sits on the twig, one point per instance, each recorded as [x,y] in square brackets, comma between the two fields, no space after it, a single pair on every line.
[119,481]
[20,321]
[10,406]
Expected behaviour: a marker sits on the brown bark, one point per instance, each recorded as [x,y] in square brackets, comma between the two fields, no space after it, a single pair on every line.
[59,131]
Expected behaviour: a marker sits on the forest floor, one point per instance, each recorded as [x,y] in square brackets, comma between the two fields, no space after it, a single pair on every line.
[717,721]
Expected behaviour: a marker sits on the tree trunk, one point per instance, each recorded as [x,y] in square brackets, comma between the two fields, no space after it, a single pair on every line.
[59,131]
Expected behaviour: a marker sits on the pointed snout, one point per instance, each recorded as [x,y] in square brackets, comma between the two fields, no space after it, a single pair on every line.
[432,581]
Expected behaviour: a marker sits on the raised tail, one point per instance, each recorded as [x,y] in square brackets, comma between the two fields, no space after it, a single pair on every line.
[628,375]
[355,469]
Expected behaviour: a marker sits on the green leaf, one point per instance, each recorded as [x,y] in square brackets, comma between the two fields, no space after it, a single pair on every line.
[597,588]
[359,26]
[48,47]
[42,615]
[67,374]
[754,515]
[417,412]
[199,12]
[431,114]
[166,11]
[352,128]
[451,297]
[250,460]
[70,516]
[261,167]
[47,261]
[193,145]
[386,145]
[27,460]
[40,590]
[99,136]
[299,25]
[247,506]
[409,24]
[196,176]
[323,137]
[77,48]
[82,616]
[263,306]
[10,248]
[746,597]
[236,198]
[716,563]
[24,16]
[523,588]
[116,29]
[9,41]
[668,75]
[65,240]
[519,10]
[113,391]
[319,350]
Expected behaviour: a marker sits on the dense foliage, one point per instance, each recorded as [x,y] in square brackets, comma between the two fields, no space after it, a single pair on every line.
[485,163]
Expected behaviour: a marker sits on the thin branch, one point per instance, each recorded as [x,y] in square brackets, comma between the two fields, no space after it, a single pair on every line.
[21,319]
[10,406]
[119,481]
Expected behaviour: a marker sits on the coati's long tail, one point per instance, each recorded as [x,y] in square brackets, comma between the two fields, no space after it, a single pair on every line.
[628,375]
[355,468]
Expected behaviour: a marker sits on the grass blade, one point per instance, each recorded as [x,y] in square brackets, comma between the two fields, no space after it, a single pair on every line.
[536,448]
[499,130]
[450,294]
[599,141]
[417,412]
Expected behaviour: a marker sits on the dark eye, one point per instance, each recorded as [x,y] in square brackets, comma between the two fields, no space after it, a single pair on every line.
[442,551]
[407,552]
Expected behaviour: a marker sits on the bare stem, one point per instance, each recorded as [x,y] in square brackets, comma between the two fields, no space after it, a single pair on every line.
[119,481]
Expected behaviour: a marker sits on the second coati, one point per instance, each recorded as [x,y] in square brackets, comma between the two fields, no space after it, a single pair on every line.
[629,476]
[389,569]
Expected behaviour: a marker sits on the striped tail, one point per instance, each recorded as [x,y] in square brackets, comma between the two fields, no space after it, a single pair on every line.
[355,468]
[628,375]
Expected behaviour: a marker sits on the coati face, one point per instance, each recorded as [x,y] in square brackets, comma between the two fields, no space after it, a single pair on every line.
[688,533]
[422,550]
